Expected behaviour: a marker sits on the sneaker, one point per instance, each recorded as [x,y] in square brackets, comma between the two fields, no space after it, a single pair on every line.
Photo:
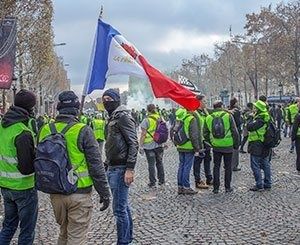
[236,169]
[209,182]
[189,191]
[227,190]
[267,188]
[201,185]
[216,191]
[180,190]
[151,185]
[161,183]
[255,188]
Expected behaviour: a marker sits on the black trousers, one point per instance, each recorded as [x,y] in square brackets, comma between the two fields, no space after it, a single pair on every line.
[297,143]
[227,166]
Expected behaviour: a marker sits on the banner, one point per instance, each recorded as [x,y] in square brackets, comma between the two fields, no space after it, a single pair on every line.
[8,38]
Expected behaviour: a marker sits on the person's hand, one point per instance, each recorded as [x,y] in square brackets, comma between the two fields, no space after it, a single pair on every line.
[105,202]
[128,177]
[196,154]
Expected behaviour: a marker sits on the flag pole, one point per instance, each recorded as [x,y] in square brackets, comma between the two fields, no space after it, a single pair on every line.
[84,92]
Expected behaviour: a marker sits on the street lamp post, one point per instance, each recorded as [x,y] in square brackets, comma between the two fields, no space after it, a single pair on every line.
[280,85]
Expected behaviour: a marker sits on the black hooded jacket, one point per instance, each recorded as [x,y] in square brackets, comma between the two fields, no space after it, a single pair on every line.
[24,142]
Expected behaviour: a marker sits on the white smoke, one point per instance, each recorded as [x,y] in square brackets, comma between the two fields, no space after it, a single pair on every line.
[140,100]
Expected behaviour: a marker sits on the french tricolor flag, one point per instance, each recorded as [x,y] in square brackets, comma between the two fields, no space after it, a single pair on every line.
[112,54]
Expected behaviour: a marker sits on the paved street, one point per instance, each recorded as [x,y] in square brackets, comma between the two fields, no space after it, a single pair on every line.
[163,217]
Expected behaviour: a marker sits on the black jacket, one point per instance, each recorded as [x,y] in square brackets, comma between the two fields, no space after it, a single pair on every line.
[295,127]
[121,145]
[237,116]
[257,148]
[90,147]
[24,143]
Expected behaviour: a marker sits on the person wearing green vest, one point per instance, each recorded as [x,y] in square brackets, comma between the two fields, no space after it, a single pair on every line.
[221,133]
[17,171]
[98,126]
[200,115]
[292,112]
[154,151]
[74,212]
[259,154]
[187,151]
[295,136]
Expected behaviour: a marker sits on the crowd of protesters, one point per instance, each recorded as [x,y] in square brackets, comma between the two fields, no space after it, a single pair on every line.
[204,137]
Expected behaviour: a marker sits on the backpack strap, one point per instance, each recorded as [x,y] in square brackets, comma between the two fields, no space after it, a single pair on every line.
[67,127]
[52,128]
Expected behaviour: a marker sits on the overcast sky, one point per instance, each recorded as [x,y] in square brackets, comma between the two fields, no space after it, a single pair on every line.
[165,31]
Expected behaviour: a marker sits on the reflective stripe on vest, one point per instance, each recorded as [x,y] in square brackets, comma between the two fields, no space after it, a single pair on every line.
[152,119]
[77,158]
[9,160]
[186,125]
[10,176]
[99,128]
[13,175]
[259,135]
[227,141]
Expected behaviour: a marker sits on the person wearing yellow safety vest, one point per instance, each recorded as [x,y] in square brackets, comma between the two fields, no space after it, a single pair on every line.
[296,137]
[221,133]
[187,151]
[154,151]
[98,126]
[74,212]
[200,115]
[17,171]
[259,154]
[293,110]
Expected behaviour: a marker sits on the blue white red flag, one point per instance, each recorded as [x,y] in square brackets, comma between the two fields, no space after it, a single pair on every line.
[112,54]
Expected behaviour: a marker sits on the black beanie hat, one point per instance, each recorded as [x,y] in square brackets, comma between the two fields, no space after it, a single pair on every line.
[112,93]
[25,99]
[68,99]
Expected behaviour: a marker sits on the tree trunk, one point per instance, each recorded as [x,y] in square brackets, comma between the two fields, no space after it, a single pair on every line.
[296,83]
[266,86]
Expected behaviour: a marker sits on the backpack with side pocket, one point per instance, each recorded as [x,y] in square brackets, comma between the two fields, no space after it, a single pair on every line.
[178,134]
[272,136]
[218,127]
[54,173]
[161,132]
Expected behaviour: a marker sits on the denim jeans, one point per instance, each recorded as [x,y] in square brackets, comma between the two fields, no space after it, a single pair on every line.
[258,164]
[19,207]
[155,158]
[197,167]
[186,160]
[120,204]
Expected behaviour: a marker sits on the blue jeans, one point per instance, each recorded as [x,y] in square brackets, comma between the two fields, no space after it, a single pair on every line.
[120,204]
[186,160]
[19,207]
[258,164]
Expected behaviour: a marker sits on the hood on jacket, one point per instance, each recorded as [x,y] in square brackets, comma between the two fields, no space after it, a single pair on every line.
[14,115]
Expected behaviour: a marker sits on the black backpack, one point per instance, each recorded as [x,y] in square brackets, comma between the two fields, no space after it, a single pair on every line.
[218,127]
[272,136]
[54,173]
[178,134]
